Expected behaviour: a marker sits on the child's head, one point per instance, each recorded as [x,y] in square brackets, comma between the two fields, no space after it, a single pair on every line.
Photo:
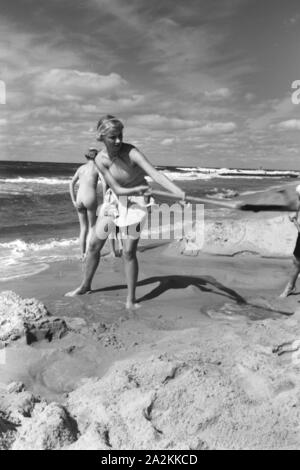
[91,153]
[108,123]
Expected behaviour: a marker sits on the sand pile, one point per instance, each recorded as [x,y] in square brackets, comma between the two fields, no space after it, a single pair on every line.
[28,423]
[26,318]
[226,383]
[265,235]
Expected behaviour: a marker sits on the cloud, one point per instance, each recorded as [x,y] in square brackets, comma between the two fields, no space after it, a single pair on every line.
[213,128]
[202,146]
[290,125]
[68,82]
[250,97]
[157,121]
[269,112]
[167,142]
[218,94]
[174,72]
[126,14]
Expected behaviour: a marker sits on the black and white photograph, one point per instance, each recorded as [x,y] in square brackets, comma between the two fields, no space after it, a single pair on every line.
[149,227]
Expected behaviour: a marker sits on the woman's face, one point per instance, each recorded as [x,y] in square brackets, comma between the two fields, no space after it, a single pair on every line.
[113,140]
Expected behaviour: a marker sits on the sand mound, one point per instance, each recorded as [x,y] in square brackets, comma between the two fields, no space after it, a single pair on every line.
[50,427]
[27,318]
[263,235]
[194,400]
[225,383]
[29,423]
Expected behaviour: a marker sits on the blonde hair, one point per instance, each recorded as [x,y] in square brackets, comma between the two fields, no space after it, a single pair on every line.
[298,189]
[108,122]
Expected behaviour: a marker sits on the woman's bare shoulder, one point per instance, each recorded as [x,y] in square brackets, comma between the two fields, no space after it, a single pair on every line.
[102,159]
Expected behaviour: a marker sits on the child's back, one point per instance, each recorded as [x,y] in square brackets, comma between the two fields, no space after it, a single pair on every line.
[85,201]
[87,191]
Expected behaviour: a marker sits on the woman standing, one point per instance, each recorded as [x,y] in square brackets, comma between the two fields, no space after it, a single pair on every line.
[124,169]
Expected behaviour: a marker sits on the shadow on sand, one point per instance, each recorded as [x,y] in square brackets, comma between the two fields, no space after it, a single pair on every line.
[203,283]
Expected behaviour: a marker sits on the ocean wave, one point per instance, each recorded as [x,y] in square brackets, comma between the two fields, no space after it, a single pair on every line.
[21,259]
[188,175]
[21,270]
[198,173]
[20,246]
[39,180]
[222,193]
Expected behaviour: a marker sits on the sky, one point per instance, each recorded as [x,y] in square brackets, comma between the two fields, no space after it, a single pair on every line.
[196,83]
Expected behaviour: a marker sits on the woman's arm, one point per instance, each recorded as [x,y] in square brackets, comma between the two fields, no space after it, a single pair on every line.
[117,189]
[72,187]
[140,159]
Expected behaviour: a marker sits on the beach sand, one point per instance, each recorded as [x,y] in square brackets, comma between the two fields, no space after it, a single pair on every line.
[198,366]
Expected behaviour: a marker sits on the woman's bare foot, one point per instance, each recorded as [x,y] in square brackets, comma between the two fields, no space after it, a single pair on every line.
[81,290]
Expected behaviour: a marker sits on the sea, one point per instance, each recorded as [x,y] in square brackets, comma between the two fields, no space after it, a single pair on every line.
[39,225]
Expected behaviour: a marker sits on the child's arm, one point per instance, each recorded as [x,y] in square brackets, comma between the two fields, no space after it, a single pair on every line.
[72,187]
[295,218]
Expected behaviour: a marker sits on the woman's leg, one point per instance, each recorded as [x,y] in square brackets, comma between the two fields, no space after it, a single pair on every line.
[131,269]
[119,238]
[83,221]
[293,279]
[99,234]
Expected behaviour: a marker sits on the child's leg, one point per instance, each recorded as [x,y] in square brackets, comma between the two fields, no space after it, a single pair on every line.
[83,221]
[295,272]
[293,279]
[92,217]
[99,235]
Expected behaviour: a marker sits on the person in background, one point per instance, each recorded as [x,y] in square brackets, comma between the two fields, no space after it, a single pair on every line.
[290,287]
[85,201]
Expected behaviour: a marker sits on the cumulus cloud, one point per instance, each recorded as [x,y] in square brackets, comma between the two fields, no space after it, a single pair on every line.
[77,83]
[202,146]
[249,97]
[167,142]
[220,93]
[157,121]
[291,124]
[212,128]
[172,73]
